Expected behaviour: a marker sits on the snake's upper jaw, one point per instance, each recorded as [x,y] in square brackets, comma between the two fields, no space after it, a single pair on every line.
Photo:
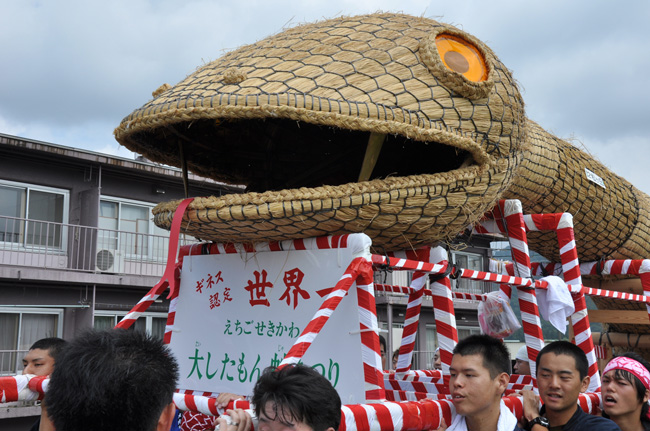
[298,118]
[304,101]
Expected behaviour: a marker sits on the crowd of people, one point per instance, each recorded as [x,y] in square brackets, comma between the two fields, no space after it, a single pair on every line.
[125,380]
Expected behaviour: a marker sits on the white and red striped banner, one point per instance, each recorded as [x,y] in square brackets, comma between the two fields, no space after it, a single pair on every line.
[444,313]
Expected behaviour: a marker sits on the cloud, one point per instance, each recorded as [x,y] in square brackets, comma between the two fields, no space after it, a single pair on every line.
[627,156]
[75,68]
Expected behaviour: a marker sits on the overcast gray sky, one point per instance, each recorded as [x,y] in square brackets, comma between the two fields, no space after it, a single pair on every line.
[71,70]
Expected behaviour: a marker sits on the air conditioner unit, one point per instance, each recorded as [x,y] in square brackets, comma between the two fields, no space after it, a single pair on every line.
[110,261]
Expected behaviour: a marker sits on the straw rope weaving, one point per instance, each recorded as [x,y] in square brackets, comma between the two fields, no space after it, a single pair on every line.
[400,127]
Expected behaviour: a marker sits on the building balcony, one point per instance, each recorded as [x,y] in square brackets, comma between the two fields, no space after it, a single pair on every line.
[93,254]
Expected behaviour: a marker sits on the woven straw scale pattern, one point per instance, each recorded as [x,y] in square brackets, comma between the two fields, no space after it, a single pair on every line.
[372,73]
[610,222]
[289,116]
[348,76]
[397,214]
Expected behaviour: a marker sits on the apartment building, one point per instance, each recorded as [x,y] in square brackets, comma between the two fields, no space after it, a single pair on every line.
[391,307]
[78,248]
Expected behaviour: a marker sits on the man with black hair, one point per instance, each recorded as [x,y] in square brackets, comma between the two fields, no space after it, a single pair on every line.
[40,361]
[562,374]
[522,366]
[382,352]
[291,398]
[42,355]
[113,380]
[479,375]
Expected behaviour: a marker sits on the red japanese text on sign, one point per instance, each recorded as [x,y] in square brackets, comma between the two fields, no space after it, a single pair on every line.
[292,280]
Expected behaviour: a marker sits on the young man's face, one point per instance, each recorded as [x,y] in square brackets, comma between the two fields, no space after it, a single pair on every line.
[269,420]
[522,367]
[38,362]
[437,363]
[620,397]
[559,382]
[472,389]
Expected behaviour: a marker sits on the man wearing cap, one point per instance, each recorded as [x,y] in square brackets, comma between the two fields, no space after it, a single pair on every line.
[522,366]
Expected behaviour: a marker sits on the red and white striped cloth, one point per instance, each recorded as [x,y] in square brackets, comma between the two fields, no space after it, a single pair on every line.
[359,271]
[411,320]
[640,268]
[443,309]
[562,224]
[204,404]
[427,292]
[441,293]
[578,288]
[515,228]
[435,376]
[26,387]
[412,315]
[439,384]
[417,386]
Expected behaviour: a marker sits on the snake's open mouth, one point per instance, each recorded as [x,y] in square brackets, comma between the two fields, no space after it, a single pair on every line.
[367,124]
[277,154]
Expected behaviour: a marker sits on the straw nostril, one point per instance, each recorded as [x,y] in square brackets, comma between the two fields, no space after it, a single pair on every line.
[160,90]
[233,75]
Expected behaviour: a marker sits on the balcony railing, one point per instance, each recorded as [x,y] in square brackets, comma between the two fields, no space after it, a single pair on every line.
[49,245]
[9,360]
[403,278]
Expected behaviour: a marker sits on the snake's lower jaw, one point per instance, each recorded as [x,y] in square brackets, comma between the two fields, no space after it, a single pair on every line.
[419,193]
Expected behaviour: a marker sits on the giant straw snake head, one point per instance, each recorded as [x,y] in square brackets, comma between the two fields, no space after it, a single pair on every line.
[401,127]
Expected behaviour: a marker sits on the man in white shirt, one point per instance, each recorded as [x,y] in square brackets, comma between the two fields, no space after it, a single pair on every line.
[480,372]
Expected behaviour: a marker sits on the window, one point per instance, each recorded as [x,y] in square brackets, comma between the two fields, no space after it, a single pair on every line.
[468,261]
[127,226]
[33,215]
[152,323]
[466,331]
[431,344]
[19,329]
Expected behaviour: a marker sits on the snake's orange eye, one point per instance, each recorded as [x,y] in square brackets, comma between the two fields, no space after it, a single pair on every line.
[461,56]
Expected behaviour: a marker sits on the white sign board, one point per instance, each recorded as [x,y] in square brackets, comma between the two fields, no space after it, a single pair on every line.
[591,176]
[240,313]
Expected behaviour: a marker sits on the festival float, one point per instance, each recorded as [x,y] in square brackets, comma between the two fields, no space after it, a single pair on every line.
[369,142]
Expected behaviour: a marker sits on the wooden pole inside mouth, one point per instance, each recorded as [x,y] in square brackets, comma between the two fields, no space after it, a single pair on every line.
[375,142]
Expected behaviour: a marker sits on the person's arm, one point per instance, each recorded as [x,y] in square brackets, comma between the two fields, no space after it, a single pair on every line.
[530,402]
